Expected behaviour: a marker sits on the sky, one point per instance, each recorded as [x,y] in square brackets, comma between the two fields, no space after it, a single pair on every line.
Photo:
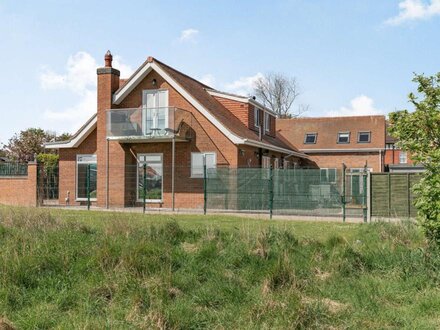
[350,57]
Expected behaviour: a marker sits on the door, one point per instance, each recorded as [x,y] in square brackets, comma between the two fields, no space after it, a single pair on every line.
[153,188]
[155,112]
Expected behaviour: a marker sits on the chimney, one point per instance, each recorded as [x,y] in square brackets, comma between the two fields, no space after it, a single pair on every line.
[108,58]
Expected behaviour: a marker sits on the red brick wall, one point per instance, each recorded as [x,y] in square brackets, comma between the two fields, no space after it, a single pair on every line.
[392,157]
[20,190]
[238,109]
[351,160]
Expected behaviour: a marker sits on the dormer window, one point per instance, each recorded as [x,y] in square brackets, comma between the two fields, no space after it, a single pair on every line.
[266,122]
[364,137]
[256,117]
[343,137]
[310,138]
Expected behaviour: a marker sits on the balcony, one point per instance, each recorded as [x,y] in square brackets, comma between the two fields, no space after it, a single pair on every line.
[149,124]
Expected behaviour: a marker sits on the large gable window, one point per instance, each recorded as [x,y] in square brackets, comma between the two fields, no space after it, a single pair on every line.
[343,137]
[198,159]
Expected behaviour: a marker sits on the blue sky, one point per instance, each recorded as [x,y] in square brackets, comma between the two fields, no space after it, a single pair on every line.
[350,57]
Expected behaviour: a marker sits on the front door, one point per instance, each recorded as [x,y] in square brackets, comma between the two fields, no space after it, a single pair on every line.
[155,112]
[153,187]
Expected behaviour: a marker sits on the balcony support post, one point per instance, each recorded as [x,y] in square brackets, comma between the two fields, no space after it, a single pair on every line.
[173,155]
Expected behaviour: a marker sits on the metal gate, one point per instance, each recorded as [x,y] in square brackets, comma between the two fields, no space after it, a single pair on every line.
[47,185]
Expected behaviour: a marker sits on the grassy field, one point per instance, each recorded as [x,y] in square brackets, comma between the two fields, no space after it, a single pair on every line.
[94,270]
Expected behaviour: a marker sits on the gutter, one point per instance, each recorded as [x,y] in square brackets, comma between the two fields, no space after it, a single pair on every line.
[311,151]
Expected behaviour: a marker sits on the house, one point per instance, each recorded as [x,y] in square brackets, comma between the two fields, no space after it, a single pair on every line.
[398,161]
[156,130]
[330,141]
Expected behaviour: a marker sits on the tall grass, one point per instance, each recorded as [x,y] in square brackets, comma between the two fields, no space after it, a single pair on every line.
[58,273]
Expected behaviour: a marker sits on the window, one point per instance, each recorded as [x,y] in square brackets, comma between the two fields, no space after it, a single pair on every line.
[286,164]
[266,162]
[85,167]
[276,163]
[197,161]
[328,175]
[154,173]
[256,117]
[266,122]
[403,157]
[344,137]
[155,111]
[310,138]
[364,137]
[389,146]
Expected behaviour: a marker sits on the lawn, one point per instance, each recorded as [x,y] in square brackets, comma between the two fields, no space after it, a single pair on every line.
[93,270]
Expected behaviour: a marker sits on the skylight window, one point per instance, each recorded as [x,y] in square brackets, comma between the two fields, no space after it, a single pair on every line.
[364,137]
[310,138]
[344,137]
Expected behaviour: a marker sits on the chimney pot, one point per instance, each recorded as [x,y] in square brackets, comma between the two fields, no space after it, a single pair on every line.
[108,58]
[150,59]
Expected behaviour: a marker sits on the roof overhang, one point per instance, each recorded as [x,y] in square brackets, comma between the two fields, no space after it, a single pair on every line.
[242,99]
[319,151]
[78,138]
[274,148]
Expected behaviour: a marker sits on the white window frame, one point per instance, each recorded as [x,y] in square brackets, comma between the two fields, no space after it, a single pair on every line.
[137,178]
[266,122]
[256,117]
[343,133]
[145,92]
[198,176]
[359,137]
[82,199]
[309,134]
[403,155]
[265,162]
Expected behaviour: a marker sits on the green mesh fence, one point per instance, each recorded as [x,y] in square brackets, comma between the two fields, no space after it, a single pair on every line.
[285,191]
[13,169]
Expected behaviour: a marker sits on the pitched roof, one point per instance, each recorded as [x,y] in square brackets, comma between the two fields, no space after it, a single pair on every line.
[327,129]
[200,92]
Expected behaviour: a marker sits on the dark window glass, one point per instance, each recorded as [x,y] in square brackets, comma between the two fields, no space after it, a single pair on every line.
[364,137]
[310,138]
[344,138]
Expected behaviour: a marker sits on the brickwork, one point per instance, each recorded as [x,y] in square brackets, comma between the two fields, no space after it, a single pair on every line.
[392,156]
[20,190]
[351,160]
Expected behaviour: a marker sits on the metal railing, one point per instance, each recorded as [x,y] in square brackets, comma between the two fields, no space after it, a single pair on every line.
[148,123]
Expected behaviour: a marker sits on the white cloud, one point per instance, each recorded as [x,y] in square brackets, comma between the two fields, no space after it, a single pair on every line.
[243,86]
[359,106]
[80,79]
[189,35]
[411,10]
[208,79]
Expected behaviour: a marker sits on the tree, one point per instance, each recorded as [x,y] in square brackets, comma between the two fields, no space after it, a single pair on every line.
[279,92]
[418,132]
[25,145]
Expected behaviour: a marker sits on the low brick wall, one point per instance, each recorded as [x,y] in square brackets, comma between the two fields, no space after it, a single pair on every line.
[20,190]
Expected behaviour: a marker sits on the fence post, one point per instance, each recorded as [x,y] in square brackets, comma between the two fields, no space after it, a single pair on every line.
[343,192]
[144,187]
[408,191]
[88,186]
[205,196]
[389,195]
[270,191]
[364,192]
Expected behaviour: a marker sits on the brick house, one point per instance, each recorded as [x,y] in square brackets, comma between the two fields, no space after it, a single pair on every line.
[397,160]
[331,141]
[173,124]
